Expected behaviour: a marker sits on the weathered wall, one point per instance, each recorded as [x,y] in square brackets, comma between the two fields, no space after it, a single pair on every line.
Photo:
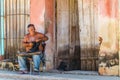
[50,32]
[98,20]
[108,32]
[37,11]
[119,34]
[42,15]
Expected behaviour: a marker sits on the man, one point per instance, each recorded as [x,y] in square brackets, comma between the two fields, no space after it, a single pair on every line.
[28,40]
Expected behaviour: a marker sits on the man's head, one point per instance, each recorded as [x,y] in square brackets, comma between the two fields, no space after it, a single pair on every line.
[31,29]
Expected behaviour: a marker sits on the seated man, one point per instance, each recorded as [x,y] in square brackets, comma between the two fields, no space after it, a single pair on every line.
[31,39]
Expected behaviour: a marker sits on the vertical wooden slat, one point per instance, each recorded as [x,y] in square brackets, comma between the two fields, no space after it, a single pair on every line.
[16,18]
[96,41]
[9,31]
[87,34]
[63,28]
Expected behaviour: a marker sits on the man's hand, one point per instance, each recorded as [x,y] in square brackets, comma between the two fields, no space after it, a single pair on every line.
[38,40]
[31,44]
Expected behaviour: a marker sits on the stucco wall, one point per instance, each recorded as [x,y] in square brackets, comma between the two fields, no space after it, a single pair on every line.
[108,32]
[37,11]
[42,15]
[50,32]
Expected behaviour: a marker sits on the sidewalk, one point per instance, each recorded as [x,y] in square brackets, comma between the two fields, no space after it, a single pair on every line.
[70,75]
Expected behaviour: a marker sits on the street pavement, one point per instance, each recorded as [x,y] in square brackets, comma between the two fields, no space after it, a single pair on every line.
[75,75]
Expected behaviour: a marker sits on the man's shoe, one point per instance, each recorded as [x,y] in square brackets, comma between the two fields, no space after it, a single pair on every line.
[36,70]
[23,72]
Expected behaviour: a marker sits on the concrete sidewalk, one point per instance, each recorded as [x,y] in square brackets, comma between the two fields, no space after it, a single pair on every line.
[69,75]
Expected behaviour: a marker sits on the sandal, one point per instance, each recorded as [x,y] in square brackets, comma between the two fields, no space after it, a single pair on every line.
[23,72]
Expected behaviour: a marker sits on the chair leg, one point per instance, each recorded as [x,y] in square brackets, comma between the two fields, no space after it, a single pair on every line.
[30,66]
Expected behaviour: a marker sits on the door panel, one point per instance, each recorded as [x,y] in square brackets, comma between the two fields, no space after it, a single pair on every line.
[67,34]
[88,34]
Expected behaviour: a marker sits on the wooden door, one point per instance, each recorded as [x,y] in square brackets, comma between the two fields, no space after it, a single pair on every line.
[68,46]
[89,44]
[77,36]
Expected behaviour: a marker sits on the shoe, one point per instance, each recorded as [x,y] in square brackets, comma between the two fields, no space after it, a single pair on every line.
[23,72]
[44,68]
[36,70]
[20,72]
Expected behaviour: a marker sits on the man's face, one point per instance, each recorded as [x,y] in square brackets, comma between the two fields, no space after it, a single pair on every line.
[31,30]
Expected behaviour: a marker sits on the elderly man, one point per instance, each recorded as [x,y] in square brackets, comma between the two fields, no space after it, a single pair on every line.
[28,42]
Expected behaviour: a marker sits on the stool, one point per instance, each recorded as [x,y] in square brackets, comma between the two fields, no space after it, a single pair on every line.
[30,59]
[31,64]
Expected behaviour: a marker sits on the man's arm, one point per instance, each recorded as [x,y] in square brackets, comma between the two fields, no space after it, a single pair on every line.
[42,38]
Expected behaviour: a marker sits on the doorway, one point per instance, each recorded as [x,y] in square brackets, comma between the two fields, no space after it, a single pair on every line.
[76,35]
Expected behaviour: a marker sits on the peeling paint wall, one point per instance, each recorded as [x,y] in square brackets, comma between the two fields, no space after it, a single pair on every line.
[37,11]
[50,32]
[98,20]
[42,15]
[108,32]
[119,33]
